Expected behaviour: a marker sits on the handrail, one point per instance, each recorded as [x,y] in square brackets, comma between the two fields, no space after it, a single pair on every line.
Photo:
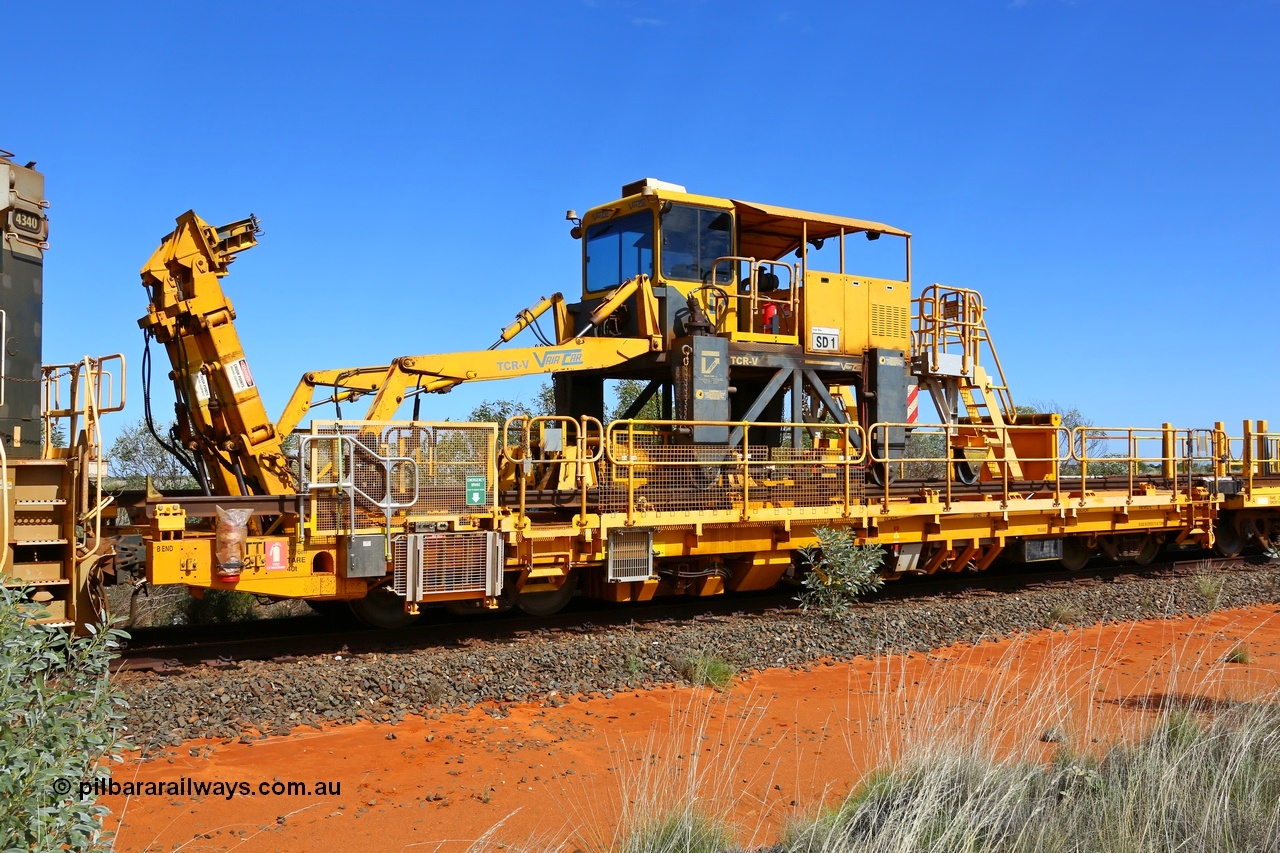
[346,482]
[92,456]
[90,379]
[1253,453]
[582,436]
[738,460]
[951,432]
[947,317]
[753,298]
[1176,459]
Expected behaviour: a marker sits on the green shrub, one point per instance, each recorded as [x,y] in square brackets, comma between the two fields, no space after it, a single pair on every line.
[687,831]
[1210,588]
[220,605]
[59,716]
[1188,784]
[708,671]
[839,572]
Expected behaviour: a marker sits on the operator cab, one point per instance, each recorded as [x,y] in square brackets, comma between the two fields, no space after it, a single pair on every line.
[760,273]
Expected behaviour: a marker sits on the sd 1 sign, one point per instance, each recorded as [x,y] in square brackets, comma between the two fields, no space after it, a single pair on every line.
[824,340]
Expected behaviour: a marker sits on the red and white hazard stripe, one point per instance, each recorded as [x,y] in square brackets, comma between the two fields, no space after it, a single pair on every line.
[913,403]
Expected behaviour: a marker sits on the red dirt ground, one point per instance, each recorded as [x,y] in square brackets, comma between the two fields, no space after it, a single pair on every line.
[776,745]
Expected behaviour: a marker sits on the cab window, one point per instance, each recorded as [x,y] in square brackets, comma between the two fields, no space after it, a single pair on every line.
[619,249]
[692,239]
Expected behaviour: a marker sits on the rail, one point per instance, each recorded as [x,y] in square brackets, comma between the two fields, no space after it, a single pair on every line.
[543,458]
[1252,454]
[950,323]
[1067,461]
[651,467]
[786,307]
[437,473]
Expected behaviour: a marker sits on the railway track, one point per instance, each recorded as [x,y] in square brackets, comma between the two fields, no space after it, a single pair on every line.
[223,645]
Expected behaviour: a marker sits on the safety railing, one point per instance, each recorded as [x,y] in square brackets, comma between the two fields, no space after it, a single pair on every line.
[90,390]
[543,459]
[1253,454]
[1138,454]
[950,323]
[342,466]
[652,467]
[1064,462]
[775,309]
[404,471]
[947,457]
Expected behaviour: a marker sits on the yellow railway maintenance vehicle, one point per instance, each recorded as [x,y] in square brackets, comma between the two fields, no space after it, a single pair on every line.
[787,387]
[54,518]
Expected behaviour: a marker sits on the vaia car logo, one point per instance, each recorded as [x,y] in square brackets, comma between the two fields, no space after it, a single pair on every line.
[562,358]
[555,358]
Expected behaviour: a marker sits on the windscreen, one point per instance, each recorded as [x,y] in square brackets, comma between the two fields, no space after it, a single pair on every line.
[692,239]
[619,249]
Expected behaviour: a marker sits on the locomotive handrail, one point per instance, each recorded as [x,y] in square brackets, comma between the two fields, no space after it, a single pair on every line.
[88,380]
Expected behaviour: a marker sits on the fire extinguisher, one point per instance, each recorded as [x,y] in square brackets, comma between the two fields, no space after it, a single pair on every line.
[769,318]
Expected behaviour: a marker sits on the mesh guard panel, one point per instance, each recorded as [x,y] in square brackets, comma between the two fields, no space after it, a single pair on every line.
[630,554]
[436,563]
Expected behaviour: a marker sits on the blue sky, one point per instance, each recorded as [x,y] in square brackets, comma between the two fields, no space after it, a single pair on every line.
[1106,173]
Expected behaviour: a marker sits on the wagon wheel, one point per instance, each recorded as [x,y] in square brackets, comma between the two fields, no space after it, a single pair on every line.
[1227,542]
[382,608]
[551,602]
[1075,554]
[1151,547]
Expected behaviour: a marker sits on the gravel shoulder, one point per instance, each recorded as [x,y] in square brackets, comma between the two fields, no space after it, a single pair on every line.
[255,700]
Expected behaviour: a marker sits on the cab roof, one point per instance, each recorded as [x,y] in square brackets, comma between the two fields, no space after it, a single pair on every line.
[766,231]
[770,231]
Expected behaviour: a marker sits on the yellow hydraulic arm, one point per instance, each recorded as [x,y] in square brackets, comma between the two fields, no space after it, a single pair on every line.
[236,446]
[410,375]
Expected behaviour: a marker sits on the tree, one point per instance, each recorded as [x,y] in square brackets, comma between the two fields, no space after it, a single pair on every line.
[60,716]
[626,392]
[1095,447]
[57,436]
[499,410]
[136,455]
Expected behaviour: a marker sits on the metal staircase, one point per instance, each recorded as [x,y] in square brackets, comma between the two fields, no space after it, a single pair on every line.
[51,508]
[948,339]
